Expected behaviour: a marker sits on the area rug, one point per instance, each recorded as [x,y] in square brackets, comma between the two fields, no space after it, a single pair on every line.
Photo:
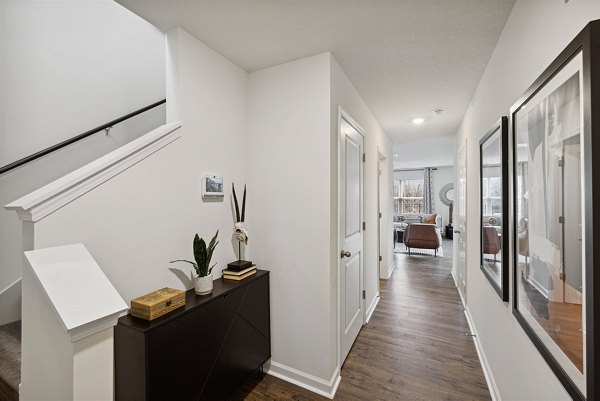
[402,249]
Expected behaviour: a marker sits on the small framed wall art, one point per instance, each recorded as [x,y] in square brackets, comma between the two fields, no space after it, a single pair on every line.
[212,186]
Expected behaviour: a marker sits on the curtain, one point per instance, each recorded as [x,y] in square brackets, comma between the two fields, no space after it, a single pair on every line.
[428,195]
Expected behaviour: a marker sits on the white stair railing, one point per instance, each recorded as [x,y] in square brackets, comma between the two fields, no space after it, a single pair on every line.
[69,306]
[69,311]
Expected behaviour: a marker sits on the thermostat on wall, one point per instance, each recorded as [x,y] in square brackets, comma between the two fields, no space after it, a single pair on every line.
[212,186]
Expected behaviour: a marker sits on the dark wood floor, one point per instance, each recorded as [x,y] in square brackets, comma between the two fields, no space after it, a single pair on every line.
[414,347]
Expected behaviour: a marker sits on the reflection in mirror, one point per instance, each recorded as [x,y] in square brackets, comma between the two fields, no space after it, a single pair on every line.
[493,186]
[549,219]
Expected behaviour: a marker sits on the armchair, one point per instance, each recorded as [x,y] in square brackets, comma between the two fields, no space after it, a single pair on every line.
[491,241]
[424,236]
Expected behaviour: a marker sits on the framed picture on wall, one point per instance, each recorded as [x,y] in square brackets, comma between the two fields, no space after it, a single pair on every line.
[493,196]
[556,285]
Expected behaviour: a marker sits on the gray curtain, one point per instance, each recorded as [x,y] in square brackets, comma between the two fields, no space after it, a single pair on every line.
[428,205]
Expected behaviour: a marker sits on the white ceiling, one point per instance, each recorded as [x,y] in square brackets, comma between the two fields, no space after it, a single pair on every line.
[431,152]
[405,57]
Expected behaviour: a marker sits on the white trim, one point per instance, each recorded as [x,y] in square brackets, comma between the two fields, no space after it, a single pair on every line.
[96,326]
[351,121]
[531,280]
[62,275]
[343,115]
[372,307]
[48,199]
[487,371]
[8,287]
[453,273]
[462,299]
[305,380]
[391,269]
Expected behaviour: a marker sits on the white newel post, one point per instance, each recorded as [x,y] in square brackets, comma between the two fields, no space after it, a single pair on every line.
[69,311]
[69,307]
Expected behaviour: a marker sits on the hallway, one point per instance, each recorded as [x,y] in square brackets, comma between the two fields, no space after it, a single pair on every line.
[413,348]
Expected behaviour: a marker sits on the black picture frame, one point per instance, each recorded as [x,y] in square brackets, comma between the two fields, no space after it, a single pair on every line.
[586,43]
[502,286]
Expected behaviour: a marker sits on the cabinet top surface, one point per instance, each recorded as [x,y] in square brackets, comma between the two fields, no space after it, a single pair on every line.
[192,301]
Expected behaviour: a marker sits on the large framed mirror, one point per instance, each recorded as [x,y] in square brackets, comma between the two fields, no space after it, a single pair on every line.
[556,285]
[493,191]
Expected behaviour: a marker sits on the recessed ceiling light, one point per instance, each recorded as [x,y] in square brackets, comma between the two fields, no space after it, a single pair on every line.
[418,120]
[395,154]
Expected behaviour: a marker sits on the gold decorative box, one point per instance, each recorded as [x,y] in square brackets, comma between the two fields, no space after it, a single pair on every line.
[157,303]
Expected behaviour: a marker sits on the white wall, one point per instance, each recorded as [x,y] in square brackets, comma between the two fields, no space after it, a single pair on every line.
[386,235]
[345,96]
[145,217]
[290,217]
[66,67]
[292,143]
[441,177]
[69,66]
[535,33]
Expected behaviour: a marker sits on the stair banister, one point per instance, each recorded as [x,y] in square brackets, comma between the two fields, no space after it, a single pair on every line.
[69,311]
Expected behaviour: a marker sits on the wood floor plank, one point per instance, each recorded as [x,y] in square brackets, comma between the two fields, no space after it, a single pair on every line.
[415,346]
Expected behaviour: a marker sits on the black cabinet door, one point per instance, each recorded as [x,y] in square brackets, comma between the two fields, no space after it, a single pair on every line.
[248,335]
[182,354]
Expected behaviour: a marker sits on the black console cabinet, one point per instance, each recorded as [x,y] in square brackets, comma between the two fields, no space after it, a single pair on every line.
[202,351]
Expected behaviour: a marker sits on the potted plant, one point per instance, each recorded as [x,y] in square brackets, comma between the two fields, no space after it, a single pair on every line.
[202,272]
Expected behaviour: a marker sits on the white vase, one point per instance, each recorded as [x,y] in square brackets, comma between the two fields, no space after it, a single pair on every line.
[203,285]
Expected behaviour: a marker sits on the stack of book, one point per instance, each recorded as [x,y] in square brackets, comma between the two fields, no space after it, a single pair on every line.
[242,274]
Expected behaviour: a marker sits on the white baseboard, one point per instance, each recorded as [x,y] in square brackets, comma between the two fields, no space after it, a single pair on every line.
[487,371]
[372,307]
[305,380]
[462,299]
[391,270]
[454,277]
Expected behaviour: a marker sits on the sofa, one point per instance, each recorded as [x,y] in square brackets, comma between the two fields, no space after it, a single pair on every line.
[402,220]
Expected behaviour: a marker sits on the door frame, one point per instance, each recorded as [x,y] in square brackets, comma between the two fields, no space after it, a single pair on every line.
[343,115]
[461,279]
[380,214]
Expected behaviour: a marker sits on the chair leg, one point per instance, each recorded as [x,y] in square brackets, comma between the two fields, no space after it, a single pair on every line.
[408,251]
[435,252]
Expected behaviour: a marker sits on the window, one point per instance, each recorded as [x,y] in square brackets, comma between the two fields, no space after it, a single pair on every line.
[492,196]
[408,196]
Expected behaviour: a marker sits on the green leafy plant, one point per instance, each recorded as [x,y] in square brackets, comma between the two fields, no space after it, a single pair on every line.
[202,255]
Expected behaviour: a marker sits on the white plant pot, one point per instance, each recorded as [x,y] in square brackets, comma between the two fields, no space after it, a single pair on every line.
[203,285]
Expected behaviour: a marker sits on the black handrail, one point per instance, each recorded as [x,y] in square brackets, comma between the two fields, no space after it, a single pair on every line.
[77,138]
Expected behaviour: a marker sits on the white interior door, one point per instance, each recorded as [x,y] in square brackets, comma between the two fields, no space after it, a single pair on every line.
[460,225]
[351,237]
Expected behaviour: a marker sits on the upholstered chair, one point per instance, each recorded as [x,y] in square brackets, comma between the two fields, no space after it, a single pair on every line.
[523,238]
[491,241]
[423,236]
